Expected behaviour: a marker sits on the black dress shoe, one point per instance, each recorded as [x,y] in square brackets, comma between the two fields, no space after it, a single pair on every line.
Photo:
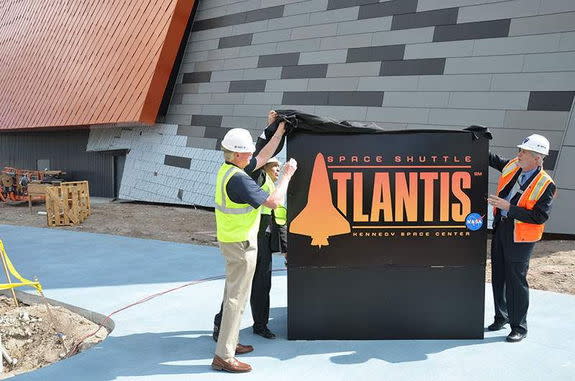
[216,333]
[265,333]
[515,337]
[497,325]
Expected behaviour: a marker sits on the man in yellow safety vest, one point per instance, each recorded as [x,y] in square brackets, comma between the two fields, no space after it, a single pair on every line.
[272,237]
[238,201]
[520,208]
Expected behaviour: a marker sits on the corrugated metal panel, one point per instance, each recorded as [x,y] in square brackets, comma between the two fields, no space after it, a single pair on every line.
[66,151]
[70,63]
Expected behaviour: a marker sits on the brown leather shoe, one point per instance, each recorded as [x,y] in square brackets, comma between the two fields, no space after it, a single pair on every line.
[241,349]
[232,365]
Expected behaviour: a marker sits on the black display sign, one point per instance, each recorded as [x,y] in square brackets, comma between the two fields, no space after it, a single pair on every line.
[385,229]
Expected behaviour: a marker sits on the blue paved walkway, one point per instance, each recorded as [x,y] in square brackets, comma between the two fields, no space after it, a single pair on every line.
[169,338]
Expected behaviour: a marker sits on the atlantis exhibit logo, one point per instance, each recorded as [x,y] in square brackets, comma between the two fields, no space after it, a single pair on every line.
[404,196]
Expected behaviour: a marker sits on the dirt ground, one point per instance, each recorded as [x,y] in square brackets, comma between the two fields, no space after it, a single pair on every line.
[166,223]
[38,335]
[552,266]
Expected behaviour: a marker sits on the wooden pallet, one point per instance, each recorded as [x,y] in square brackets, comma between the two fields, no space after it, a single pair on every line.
[68,203]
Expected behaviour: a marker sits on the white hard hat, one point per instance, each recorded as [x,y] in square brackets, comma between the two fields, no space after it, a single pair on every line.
[273,160]
[535,143]
[238,140]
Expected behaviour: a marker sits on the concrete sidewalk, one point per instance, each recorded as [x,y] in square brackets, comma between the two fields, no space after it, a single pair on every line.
[169,338]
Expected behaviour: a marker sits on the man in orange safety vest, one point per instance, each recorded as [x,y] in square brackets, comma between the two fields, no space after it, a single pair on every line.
[520,208]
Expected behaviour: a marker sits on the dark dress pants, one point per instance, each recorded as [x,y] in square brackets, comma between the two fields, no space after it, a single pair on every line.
[262,283]
[509,265]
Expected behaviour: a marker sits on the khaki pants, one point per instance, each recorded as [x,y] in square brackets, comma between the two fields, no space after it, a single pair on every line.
[240,266]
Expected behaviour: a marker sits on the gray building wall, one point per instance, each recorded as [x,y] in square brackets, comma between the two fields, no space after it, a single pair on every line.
[66,151]
[404,64]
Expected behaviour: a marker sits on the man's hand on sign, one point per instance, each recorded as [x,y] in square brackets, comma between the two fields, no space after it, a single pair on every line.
[289,168]
[498,202]
[272,115]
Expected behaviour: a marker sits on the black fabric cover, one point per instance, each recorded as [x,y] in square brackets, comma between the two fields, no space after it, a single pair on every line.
[307,122]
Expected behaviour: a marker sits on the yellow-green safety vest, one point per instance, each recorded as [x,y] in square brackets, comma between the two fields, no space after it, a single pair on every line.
[234,222]
[280,214]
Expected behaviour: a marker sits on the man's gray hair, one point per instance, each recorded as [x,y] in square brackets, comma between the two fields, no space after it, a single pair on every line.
[228,155]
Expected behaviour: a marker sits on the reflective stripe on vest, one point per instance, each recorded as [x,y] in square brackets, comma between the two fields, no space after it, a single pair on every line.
[234,222]
[269,187]
[524,231]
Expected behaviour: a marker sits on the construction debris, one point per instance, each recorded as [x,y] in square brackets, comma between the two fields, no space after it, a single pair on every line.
[37,335]
[14,182]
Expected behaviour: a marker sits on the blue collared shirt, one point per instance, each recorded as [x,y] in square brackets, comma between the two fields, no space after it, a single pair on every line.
[523,177]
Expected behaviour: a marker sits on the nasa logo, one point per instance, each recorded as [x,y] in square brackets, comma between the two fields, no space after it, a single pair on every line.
[473,221]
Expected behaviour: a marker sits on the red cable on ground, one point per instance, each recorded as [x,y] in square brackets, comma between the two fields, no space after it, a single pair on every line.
[147,298]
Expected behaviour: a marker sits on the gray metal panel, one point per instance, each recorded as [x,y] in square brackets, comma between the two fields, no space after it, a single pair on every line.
[207,120]
[247,86]
[440,49]
[426,66]
[233,41]
[570,136]
[389,8]
[560,22]
[505,9]
[66,151]
[338,4]
[551,160]
[423,19]
[355,98]
[178,161]
[218,22]
[375,53]
[334,98]
[200,76]
[495,64]
[489,100]
[357,69]
[305,98]
[283,59]
[536,120]
[265,13]
[191,131]
[472,30]
[215,132]
[551,100]
[239,18]
[562,212]
[323,57]
[304,71]
[565,172]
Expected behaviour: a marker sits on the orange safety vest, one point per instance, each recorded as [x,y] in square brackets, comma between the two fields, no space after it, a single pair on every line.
[524,231]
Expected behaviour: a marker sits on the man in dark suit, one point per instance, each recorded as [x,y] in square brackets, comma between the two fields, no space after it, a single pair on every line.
[521,207]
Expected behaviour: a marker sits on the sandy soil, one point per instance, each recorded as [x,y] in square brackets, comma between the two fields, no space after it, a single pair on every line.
[552,266]
[39,335]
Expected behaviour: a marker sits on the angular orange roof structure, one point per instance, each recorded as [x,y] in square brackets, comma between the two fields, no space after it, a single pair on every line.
[76,63]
